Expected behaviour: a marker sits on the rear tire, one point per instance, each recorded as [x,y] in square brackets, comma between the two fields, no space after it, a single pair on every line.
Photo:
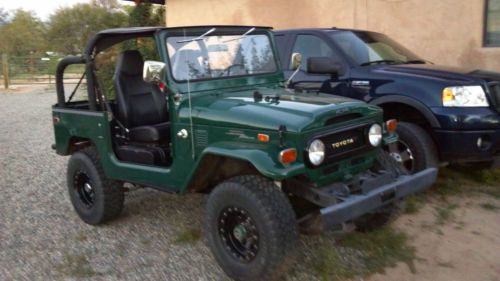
[251,228]
[95,198]
[415,149]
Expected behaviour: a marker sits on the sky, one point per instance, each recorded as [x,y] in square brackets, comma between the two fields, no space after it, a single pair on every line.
[43,8]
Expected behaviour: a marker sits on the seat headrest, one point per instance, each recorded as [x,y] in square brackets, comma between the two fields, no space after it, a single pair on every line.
[130,62]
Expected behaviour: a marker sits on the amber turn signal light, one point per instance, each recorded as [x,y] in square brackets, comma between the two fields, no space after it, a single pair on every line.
[263,137]
[288,156]
[391,125]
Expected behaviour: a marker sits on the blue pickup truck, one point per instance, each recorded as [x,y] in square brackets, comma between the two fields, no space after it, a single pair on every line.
[445,114]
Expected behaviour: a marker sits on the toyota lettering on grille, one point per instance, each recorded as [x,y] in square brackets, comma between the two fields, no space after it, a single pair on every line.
[342,143]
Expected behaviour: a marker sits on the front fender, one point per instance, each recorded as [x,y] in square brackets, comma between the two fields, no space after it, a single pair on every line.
[260,159]
[422,108]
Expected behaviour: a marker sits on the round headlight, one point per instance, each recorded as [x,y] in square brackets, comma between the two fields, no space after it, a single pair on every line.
[316,152]
[375,135]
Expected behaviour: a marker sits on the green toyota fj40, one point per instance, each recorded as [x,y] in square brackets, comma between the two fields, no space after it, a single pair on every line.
[212,115]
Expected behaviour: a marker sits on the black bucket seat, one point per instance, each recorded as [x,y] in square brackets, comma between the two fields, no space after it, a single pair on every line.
[141,107]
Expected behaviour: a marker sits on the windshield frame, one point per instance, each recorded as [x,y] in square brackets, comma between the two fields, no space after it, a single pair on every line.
[411,55]
[219,31]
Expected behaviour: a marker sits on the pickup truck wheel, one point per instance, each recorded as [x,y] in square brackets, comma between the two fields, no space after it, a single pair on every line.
[414,150]
[95,198]
[251,228]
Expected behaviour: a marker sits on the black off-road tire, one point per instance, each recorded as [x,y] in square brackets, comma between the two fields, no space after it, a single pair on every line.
[421,145]
[103,201]
[272,221]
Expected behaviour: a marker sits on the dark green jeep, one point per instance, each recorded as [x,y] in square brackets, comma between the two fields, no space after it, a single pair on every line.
[212,115]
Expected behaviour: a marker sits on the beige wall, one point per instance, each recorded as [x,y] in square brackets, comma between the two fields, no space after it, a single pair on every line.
[446,32]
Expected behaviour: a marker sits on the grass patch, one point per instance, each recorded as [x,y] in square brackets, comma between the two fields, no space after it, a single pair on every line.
[77,266]
[362,254]
[459,181]
[188,236]
[381,248]
[465,181]
[330,265]
[444,214]
[413,203]
[490,207]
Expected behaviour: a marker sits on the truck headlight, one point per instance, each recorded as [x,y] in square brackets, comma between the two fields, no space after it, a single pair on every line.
[375,135]
[316,152]
[465,96]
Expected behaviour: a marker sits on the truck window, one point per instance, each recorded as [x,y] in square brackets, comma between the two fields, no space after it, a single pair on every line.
[310,46]
[365,47]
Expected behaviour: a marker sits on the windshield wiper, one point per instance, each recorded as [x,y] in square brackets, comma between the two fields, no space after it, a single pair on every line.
[415,62]
[201,37]
[380,61]
[242,36]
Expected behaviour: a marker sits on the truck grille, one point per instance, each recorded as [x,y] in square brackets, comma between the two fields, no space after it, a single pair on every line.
[494,88]
[343,144]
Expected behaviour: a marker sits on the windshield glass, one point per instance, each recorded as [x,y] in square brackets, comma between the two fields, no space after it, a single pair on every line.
[366,48]
[219,56]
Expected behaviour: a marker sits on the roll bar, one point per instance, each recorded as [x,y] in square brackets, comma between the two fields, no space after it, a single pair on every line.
[61,67]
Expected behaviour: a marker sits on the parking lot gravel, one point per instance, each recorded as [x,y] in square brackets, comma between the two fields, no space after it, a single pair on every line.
[42,238]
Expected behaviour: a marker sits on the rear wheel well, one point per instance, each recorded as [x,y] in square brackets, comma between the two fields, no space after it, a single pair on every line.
[213,169]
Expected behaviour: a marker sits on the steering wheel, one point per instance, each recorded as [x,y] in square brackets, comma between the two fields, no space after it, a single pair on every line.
[228,69]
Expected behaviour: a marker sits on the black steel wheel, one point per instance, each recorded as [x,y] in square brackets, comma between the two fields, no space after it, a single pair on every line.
[239,233]
[415,149]
[84,188]
[251,229]
[95,198]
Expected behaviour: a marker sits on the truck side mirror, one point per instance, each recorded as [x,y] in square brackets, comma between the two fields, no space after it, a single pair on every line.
[296,61]
[153,71]
[323,65]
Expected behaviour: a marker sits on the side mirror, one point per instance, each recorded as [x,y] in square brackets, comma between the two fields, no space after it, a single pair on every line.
[296,61]
[324,65]
[153,71]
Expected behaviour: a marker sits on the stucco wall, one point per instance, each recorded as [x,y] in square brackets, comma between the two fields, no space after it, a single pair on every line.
[446,31]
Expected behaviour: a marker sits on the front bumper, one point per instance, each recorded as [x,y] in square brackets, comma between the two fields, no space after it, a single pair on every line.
[354,206]
[460,130]
[468,146]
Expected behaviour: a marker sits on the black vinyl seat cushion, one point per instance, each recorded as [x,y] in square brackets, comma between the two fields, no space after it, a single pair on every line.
[156,133]
[141,107]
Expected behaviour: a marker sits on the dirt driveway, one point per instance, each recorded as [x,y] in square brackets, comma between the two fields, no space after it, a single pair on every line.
[158,235]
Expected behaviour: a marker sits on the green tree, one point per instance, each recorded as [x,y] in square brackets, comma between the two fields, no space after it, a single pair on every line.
[146,14]
[70,28]
[106,4]
[24,34]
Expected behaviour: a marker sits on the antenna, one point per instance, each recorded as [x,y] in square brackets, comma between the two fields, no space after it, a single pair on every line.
[193,155]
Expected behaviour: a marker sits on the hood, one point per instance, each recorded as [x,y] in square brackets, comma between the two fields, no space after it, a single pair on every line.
[443,73]
[298,112]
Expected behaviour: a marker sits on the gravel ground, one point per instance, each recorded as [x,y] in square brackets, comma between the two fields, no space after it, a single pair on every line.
[41,237]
